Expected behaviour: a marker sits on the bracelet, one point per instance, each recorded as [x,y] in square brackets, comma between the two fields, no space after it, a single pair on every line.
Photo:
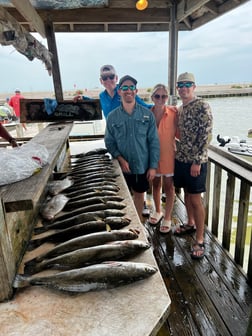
[12,140]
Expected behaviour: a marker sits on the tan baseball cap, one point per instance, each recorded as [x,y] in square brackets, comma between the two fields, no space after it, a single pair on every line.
[186,77]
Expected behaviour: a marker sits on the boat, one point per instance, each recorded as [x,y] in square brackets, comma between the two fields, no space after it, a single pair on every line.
[235,146]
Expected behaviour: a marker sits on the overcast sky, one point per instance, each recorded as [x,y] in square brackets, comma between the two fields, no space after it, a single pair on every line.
[219,52]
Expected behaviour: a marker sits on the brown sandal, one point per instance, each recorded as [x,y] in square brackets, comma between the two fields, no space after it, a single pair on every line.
[185,229]
[198,247]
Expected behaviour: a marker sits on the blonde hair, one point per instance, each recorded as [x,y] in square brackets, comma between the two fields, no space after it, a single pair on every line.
[157,87]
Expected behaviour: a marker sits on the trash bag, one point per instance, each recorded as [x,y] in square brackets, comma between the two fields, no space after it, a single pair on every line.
[21,162]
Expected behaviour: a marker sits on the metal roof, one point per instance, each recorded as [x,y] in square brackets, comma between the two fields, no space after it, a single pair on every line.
[115,15]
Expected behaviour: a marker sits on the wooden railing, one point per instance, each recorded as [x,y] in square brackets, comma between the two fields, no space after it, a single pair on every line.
[228,202]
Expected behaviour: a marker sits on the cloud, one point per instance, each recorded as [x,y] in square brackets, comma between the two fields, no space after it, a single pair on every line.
[218,52]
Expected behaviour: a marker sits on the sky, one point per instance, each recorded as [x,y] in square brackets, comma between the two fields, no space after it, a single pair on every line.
[219,52]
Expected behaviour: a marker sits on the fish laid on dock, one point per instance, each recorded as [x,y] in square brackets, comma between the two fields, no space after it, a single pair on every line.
[96,151]
[52,207]
[81,202]
[92,278]
[92,207]
[62,235]
[118,250]
[83,217]
[88,240]
[55,187]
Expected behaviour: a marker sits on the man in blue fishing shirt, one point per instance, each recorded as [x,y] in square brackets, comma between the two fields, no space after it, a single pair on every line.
[131,137]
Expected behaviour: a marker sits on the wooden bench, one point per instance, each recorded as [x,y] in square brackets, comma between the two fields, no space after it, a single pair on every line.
[21,201]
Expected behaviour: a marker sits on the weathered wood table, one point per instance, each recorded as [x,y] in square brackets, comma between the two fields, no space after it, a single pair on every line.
[138,309]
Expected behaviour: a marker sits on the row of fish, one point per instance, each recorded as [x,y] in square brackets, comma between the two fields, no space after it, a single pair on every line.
[83,219]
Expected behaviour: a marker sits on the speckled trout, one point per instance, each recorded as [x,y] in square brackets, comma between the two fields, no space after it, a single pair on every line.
[118,250]
[91,278]
[61,235]
[88,240]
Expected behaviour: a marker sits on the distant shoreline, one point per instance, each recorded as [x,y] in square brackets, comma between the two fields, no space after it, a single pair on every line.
[211,90]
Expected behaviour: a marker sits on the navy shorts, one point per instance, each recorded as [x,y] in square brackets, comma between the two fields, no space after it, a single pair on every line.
[137,182]
[183,179]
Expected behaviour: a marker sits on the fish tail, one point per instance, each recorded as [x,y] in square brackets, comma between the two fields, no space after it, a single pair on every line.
[20,281]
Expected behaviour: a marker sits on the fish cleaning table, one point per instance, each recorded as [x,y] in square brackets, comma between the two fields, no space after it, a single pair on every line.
[138,309]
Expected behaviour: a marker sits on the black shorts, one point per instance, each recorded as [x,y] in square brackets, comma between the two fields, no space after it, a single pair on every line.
[183,179]
[137,182]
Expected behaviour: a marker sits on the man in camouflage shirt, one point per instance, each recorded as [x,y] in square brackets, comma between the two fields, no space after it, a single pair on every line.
[195,131]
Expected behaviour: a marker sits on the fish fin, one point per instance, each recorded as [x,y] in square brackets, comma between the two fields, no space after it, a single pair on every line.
[20,281]
[108,228]
[34,244]
[40,229]
[31,268]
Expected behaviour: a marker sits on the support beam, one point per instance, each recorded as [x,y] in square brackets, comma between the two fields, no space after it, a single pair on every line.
[187,7]
[51,41]
[173,54]
[29,13]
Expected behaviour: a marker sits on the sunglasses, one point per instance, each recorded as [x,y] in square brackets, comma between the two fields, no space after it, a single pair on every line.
[128,87]
[157,96]
[104,78]
[186,84]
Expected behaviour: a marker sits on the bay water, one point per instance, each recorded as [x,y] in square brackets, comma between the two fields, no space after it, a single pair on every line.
[232,116]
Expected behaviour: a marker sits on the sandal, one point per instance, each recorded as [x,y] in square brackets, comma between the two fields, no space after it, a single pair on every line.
[155,218]
[146,211]
[165,226]
[198,251]
[185,229]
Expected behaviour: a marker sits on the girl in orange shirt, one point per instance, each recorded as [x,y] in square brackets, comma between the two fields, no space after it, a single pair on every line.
[166,120]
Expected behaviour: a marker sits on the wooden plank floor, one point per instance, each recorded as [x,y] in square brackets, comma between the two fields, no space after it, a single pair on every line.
[209,296]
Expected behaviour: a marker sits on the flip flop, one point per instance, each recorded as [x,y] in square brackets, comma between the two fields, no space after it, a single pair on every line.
[155,218]
[196,248]
[165,226]
[184,229]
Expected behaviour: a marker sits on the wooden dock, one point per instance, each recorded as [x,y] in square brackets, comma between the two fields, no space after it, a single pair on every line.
[209,296]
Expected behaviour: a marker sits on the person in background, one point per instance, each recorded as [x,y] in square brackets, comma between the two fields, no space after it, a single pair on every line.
[111,99]
[6,135]
[10,108]
[166,120]
[15,103]
[195,133]
[131,137]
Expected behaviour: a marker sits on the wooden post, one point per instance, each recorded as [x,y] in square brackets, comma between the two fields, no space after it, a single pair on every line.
[6,256]
[51,41]
[173,55]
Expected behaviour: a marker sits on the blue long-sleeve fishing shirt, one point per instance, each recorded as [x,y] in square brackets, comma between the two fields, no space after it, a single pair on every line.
[134,137]
[109,103]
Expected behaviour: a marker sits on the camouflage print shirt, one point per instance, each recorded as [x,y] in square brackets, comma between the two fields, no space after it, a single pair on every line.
[195,131]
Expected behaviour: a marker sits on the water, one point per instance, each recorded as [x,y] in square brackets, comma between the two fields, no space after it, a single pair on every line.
[232,116]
